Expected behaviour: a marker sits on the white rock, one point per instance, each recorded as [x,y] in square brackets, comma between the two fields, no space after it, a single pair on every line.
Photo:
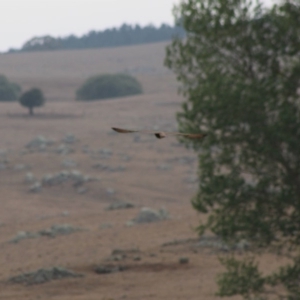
[29,177]
[36,187]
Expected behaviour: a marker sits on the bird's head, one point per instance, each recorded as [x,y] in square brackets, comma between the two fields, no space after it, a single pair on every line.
[160,135]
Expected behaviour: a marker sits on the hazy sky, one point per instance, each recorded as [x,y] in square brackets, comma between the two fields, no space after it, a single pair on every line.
[23,19]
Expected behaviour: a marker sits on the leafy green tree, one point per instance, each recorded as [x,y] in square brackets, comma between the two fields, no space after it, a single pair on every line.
[31,99]
[9,91]
[239,69]
[109,86]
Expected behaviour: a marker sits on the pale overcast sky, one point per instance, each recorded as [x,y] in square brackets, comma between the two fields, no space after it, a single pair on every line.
[23,19]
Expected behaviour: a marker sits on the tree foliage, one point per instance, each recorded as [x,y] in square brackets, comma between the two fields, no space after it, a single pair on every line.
[108,86]
[31,99]
[239,68]
[122,36]
[9,91]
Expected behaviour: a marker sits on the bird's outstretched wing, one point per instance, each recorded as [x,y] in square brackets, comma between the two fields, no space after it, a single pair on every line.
[189,135]
[120,130]
[162,134]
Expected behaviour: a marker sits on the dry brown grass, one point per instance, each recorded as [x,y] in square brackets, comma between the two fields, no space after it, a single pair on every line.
[157,275]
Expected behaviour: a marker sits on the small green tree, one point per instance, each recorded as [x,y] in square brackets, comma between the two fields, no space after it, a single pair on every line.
[108,86]
[31,99]
[9,91]
[239,67]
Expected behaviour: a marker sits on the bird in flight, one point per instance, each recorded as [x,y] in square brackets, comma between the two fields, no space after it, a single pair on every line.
[161,134]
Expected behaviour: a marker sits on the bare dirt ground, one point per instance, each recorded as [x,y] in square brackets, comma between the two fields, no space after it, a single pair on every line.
[139,169]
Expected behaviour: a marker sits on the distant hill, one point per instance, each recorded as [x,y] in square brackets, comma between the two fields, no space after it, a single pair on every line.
[122,36]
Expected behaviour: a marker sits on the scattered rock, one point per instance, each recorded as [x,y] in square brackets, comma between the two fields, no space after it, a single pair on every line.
[21,235]
[164,167]
[21,167]
[29,177]
[40,143]
[85,149]
[121,254]
[69,138]
[149,215]
[64,149]
[53,231]
[43,275]
[47,179]
[183,260]
[82,190]
[216,242]
[100,166]
[69,163]
[180,242]
[62,229]
[23,152]
[184,160]
[110,191]
[104,167]
[105,153]
[212,242]
[3,160]
[137,258]
[120,205]
[107,269]
[74,175]
[106,225]
[125,157]
[3,166]
[36,187]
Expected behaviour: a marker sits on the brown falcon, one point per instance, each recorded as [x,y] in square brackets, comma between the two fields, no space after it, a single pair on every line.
[161,134]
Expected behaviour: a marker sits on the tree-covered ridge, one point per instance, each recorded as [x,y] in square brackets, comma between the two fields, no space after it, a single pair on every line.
[122,36]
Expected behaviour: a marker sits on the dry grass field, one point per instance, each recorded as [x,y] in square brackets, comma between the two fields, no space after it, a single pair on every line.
[138,169]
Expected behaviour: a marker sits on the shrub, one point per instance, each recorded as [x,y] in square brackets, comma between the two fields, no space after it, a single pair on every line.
[109,86]
[9,91]
[32,98]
